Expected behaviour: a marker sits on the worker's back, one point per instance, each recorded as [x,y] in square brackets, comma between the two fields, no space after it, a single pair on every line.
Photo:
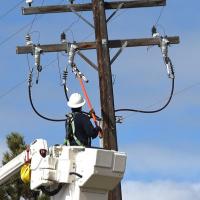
[79,129]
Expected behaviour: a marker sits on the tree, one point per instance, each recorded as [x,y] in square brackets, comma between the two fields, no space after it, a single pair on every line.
[15,189]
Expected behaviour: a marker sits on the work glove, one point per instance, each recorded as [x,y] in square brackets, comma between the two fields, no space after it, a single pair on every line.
[99,131]
[91,113]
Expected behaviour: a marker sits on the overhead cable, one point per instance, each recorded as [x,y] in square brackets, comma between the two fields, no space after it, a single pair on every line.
[11,9]
[21,82]
[14,34]
[19,30]
[33,107]
[150,111]
[164,43]
[34,18]
[160,15]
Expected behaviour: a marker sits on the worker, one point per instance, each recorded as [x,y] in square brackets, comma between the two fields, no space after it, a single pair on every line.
[79,129]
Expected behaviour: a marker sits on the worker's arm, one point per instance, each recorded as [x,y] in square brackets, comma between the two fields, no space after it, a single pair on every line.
[89,128]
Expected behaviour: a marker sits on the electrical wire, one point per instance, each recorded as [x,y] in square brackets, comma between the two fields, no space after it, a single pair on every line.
[32,105]
[160,15]
[38,32]
[34,19]
[51,192]
[86,37]
[32,22]
[76,174]
[64,76]
[71,25]
[69,28]
[122,12]
[14,34]
[29,66]
[12,89]
[20,30]
[40,115]
[65,91]
[112,19]
[150,111]
[21,82]
[11,9]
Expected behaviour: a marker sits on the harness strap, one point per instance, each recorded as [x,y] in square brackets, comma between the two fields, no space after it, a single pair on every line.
[71,121]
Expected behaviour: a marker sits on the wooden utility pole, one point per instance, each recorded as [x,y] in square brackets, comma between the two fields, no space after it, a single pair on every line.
[105,83]
[102,45]
[105,76]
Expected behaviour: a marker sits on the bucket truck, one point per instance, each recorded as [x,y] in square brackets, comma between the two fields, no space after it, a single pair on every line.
[69,172]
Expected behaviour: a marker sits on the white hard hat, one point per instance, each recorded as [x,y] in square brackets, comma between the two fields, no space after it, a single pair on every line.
[76,101]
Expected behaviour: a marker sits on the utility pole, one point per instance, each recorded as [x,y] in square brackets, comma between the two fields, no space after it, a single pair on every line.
[105,83]
[102,45]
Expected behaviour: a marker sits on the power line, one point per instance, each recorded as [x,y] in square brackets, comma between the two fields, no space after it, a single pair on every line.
[186,88]
[175,94]
[12,89]
[14,34]
[10,10]
[22,28]
[9,91]
[150,111]
[160,15]
[34,19]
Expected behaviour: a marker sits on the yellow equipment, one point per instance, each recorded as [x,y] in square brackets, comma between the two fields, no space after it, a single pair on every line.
[25,173]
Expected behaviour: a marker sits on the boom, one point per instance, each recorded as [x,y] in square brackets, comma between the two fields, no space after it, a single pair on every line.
[71,172]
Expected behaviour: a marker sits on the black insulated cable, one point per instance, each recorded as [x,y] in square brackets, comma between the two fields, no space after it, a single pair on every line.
[40,115]
[33,107]
[76,174]
[65,91]
[150,111]
[49,192]
[65,75]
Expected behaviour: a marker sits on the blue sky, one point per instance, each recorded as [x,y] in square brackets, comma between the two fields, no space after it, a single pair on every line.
[163,148]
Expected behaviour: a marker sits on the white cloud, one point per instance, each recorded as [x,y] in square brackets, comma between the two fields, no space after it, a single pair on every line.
[160,190]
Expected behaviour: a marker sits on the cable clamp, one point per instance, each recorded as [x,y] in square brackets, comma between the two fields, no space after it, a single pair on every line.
[78,73]
[104,41]
[119,119]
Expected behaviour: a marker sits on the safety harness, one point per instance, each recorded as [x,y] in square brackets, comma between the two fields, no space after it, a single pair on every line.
[71,131]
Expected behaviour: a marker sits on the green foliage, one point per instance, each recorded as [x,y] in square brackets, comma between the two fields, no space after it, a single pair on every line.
[14,189]
[43,197]
[16,145]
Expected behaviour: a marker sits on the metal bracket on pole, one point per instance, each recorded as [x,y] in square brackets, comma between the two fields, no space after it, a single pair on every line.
[119,52]
[118,8]
[87,60]
[78,73]
[85,20]
[119,119]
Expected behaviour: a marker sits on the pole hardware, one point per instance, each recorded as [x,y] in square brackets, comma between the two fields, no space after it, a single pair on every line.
[114,13]
[29,2]
[164,44]
[81,17]
[37,55]
[119,52]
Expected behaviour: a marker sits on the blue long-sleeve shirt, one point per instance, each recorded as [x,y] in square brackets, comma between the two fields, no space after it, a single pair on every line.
[84,130]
